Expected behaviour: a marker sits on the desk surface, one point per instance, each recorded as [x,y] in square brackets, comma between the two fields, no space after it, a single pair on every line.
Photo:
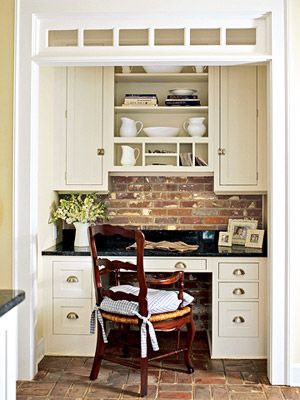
[206,240]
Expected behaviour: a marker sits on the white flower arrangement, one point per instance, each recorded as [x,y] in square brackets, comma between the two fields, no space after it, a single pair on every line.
[78,207]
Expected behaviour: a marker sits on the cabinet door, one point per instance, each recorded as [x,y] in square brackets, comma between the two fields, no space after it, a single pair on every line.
[84,126]
[238,126]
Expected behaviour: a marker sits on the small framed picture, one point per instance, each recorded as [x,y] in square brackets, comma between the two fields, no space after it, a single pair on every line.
[239,229]
[255,238]
[225,239]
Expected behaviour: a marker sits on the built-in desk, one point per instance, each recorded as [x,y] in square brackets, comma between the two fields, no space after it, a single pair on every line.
[236,327]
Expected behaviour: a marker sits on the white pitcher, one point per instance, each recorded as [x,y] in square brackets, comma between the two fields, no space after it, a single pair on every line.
[129,127]
[129,156]
[195,126]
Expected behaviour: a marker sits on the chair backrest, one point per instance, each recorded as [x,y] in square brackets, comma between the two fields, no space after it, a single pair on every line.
[102,267]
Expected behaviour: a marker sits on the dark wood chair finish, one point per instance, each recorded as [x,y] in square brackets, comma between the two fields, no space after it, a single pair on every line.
[102,267]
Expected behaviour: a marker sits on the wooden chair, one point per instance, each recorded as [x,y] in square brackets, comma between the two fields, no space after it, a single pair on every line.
[175,319]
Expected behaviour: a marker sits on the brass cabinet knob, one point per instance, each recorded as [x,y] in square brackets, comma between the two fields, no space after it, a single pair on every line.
[238,319]
[72,279]
[238,272]
[238,291]
[100,152]
[72,315]
[180,265]
[221,152]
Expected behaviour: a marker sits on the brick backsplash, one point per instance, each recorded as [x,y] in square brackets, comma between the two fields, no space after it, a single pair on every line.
[176,203]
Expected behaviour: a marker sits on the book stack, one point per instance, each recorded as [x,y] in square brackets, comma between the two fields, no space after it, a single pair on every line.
[140,99]
[190,100]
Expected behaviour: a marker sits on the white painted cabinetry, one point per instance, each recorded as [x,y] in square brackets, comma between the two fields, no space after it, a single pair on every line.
[69,302]
[237,321]
[239,296]
[241,157]
[83,113]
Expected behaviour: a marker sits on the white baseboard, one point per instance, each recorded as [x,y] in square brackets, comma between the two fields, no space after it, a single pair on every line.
[40,350]
[295,375]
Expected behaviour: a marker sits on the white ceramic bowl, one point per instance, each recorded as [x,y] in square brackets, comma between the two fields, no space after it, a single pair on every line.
[161,131]
[162,69]
[183,92]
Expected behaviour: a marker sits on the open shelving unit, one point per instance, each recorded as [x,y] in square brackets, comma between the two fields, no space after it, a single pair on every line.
[165,154]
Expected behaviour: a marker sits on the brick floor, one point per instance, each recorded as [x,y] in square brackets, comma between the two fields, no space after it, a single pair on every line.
[68,378]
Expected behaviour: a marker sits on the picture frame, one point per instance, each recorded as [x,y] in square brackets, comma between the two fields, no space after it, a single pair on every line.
[225,239]
[239,229]
[255,238]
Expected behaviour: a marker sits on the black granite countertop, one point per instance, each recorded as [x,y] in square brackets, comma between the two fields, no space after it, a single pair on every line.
[206,240]
[10,299]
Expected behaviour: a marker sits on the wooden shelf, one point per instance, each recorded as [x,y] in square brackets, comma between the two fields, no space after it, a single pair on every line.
[161,109]
[176,139]
[145,77]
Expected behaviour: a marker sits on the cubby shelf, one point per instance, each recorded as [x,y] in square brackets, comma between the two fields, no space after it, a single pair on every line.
[147,77]
[160,109]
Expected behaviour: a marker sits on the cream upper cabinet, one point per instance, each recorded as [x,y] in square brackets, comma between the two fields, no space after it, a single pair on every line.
[241,146]
[83,114]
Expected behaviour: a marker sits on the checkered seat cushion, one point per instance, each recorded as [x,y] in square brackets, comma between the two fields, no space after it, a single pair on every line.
[159,301]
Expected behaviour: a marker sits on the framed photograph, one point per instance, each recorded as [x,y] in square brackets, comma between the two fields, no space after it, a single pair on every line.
[255,238]
[225,239]
[239,229]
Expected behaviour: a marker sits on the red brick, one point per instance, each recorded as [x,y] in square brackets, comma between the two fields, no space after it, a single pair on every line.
[191,220]
[180,211]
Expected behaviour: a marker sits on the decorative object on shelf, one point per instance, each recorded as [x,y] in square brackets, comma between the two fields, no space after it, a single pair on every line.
[140,99]
[161,131]
[255,238]
[129,127]
[129,156]
[239,228]
[183,92]
[195,126]
[126,69]
[183,97]
[81,210]
[186,159]
[225,239]
[200,161]
[200,68]
[162,69]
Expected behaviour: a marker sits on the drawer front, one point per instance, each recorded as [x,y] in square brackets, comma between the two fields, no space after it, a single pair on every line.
[238,290]
[238,271]
[238,319]
[72,279]
[71,316]
[174,264]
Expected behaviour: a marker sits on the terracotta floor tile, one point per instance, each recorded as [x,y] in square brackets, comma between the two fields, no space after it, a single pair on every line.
[168,377]
[209,378]
[131,392]
[247,396]
[35,388]
[219,392]
[61,389]
[291,393]
[245,388]
[234,377]
[103,392]
[273,393]
[202,392]
[250,378]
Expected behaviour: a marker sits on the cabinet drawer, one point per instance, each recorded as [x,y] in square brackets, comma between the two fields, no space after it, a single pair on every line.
[171,264]
[72,279]
[238,319]
[71,316]
[238,290]
[238,271]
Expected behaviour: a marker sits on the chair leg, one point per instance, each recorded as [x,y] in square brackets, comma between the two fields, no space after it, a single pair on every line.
[191,329]
[144,376]
[98,355]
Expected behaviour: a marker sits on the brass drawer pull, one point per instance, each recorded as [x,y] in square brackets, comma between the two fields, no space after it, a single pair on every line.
[238,291]
[180,265]
[72,279]
[238,272]
[72,315]
[238,320]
